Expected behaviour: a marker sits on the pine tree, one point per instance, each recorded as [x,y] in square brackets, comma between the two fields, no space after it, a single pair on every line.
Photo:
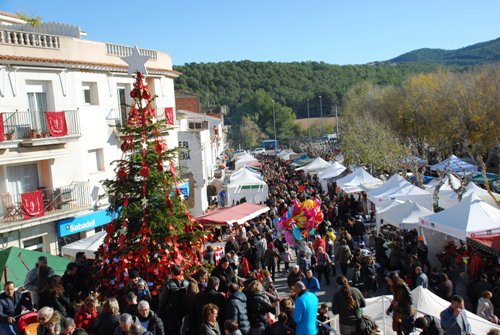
[152,229]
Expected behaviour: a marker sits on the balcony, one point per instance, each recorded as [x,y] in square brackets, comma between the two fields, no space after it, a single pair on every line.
[55,204]
[28,39]
[118,118]
[124,51]
[32,128]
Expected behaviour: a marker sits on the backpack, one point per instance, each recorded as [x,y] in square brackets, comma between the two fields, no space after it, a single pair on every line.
[365,325]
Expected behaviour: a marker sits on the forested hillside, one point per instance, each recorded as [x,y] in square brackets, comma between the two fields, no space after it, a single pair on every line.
[480,53]
[289,84]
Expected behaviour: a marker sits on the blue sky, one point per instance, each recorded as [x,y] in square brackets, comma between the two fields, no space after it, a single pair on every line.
[332,31]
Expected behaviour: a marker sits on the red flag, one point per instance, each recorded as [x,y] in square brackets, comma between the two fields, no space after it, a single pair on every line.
[57,124]
[2,131]
[169,115]
[32,204]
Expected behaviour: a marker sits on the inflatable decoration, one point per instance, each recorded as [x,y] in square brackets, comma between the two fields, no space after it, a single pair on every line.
[300,221]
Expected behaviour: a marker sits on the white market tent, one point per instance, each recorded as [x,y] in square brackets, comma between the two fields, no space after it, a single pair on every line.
[455,165]
[449,179]
[397,188]
[285,154]
[470,217]
[240,154]
[88,245]
[245,160]
[334,170]
[449,198]
[315,166]
[403,215]
[357,181]
[244,171]
[425,302]
[249,187]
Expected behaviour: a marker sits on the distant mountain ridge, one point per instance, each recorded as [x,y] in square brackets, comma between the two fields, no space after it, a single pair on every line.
[479,53]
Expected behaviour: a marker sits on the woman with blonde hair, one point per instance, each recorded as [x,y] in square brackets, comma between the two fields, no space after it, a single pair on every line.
[258,305]
[49,322]
[85,317]
[109,318]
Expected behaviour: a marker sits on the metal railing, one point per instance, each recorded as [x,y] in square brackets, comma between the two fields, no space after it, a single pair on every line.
[26,124]
[125,51]
[55,201]
[29,39]
[118,117]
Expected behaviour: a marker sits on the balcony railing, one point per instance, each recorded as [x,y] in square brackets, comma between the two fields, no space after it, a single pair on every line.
[118,117]
[29,39]
[33,124]
[56,201]
[125,51]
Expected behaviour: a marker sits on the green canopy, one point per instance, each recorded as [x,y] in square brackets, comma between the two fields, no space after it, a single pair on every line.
[479,179]
[15,264]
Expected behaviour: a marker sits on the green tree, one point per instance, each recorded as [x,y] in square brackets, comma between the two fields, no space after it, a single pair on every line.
[153,229]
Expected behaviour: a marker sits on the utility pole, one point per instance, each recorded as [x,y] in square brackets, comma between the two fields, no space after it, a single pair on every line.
[308,121]
[274,121]
[320,107]
[337,120]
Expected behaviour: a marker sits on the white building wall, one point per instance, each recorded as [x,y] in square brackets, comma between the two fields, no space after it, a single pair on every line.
[61,164]
[197,162]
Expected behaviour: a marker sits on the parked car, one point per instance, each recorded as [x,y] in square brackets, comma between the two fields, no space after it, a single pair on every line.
[259,151]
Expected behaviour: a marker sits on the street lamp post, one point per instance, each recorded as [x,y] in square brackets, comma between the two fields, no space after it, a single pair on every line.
[308,121]
[337,120]
[320,107]
[274,122]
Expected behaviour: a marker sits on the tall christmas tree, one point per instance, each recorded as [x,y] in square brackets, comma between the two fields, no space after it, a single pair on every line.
[153,229]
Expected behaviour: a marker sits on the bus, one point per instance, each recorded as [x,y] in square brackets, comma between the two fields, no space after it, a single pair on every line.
[269,144]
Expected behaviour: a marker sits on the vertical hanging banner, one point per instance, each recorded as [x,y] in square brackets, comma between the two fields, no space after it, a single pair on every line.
[2,130]
[32,204]
[56,122]
[169,115]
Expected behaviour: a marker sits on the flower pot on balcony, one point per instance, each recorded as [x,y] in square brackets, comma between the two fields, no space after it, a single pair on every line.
[33,134]
[9,136]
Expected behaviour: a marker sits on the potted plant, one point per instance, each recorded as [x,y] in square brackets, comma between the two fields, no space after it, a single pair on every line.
[34,133]
[9,135]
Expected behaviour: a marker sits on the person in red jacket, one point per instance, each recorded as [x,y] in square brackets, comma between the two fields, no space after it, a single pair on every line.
[87,314]
[319,242]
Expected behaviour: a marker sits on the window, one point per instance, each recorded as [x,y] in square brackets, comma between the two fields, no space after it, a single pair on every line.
[195,125]
[96,160]
[22,178]
[90,96]
[34,244]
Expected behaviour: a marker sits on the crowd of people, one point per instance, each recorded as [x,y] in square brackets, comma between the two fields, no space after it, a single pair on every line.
[237,294]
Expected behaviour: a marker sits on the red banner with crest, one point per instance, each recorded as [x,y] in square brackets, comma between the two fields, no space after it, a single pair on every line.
[56,122]
[32,204]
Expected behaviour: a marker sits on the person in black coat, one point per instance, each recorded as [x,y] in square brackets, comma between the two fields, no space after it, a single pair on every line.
[71,282]
[108,320]
[12,303]
[236,308]
[172,302]
[225,274]
[429,325]
[209,296]
[149,320]
[258,305]
[52,295]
